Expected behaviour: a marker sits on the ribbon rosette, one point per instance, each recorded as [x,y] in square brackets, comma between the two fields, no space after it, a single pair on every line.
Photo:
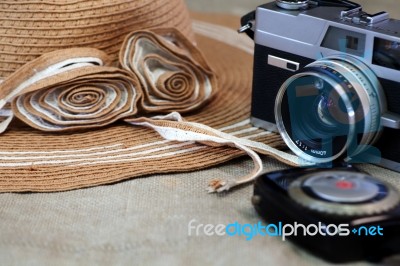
[71,89]
[172,71]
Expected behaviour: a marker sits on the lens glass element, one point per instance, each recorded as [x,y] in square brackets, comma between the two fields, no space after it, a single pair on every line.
[316,115]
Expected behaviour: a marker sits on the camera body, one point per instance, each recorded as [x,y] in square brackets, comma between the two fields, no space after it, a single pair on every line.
[291,36]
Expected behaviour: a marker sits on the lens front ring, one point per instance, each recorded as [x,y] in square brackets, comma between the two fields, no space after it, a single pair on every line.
[364,94]
[296,146]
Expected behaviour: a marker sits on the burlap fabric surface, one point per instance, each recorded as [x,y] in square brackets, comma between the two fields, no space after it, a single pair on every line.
[144,222]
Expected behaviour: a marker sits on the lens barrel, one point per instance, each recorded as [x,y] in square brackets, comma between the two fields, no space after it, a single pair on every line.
[330,109]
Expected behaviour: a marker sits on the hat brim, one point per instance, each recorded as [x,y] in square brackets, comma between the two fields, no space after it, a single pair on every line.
[31,160]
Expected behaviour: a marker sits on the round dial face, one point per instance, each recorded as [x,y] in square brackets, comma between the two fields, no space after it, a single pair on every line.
[336,187]
[343,193]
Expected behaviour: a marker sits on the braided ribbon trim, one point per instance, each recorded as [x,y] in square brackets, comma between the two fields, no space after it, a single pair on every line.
[172,71]
[174,127]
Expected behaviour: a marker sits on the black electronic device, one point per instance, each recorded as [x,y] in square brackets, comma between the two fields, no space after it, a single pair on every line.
[343,197]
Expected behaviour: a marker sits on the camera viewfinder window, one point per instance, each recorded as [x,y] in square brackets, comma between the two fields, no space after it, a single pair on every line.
[344,41]
[352,43]
[386,53]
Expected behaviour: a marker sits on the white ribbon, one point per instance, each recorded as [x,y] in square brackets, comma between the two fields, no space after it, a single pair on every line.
[216,185]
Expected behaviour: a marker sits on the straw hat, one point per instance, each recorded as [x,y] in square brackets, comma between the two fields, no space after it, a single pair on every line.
[67,158]
[29,29]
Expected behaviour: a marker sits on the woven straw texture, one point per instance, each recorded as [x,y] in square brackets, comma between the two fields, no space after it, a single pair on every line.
[30,28]
[31,160]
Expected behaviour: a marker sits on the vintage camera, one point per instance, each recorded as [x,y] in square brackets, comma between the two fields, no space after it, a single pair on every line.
[327,78]
[364,207]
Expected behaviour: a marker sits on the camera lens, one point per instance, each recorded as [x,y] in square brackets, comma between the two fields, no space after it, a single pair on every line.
[330,109]
[314,116]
